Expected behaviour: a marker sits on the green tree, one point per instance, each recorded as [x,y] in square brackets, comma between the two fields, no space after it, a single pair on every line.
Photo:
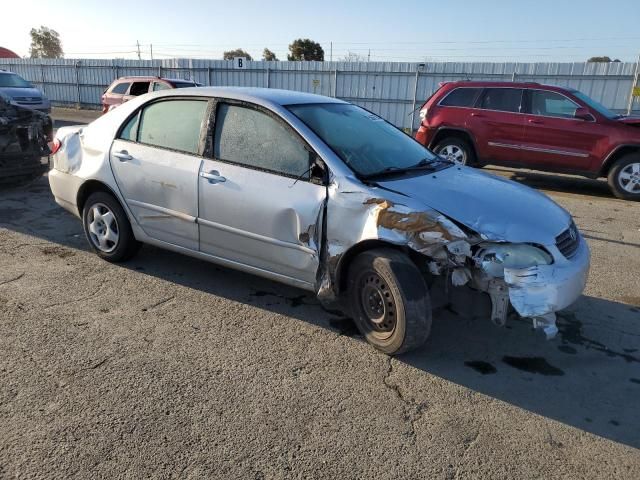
[269,56]
[604,59]
[45,43]
[305,49]
[238,52]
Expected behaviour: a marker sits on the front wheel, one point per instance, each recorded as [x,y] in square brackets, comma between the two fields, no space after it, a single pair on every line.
[624,177]
[389,301]
[456,150]
[107,228]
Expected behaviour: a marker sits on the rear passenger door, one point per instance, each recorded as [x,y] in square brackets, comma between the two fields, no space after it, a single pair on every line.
[258,204]
[155,159]
[498,124]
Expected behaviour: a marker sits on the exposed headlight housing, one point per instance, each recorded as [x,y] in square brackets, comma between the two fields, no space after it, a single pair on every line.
[493,258]
[423,113]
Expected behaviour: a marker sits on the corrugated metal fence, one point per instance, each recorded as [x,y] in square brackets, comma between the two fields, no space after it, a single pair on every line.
[392,90]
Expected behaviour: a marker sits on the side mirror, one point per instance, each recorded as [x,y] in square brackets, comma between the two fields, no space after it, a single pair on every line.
[583,113]
[319,173]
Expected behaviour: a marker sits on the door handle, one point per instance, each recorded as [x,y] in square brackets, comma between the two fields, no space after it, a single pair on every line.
[122,155]
[213,177]
[479,115]
[535,121]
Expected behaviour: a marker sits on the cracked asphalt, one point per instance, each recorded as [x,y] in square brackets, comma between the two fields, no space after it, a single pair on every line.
[169,367]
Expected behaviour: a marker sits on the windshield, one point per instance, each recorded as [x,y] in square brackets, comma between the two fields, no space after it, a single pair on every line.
[13,80]
[366,143]
[601,109]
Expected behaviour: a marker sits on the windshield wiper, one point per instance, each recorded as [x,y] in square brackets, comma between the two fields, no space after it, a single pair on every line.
[424,164]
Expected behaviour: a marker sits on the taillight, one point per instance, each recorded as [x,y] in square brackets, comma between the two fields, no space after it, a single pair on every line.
[55,146]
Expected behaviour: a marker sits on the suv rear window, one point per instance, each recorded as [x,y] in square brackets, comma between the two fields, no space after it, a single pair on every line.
[461,97]
[502,99]
[121,88]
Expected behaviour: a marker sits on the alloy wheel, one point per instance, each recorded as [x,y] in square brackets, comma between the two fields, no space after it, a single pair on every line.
[629,178]
[454,154]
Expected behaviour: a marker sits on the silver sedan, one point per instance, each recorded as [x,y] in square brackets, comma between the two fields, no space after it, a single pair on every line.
[323,195]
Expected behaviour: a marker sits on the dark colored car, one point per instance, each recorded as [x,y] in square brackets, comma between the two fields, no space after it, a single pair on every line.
[24,133]
[18,91]
[126,88]
[534,126]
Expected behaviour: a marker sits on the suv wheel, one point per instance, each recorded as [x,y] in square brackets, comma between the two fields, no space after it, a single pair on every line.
[624,177]
[107,228]
[389,301]
[456,150]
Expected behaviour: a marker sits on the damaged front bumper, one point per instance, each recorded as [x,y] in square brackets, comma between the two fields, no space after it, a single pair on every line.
[541,291]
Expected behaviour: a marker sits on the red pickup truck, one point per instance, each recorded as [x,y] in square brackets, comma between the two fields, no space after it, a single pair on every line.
[535,126]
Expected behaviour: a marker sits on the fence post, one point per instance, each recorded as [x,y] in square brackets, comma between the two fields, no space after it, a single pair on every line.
[335,82]
[77,66]
[634,84]
[268,75]
[513,75]
[415,99]
[44,87]
[208,75]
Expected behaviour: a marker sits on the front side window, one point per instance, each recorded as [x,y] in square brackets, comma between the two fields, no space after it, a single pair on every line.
[174,124]
[365,142]
[139,88]
[461,97]
[121,88]
[551,104]
[252,138]
[601,109]
[157,86]
[502,99]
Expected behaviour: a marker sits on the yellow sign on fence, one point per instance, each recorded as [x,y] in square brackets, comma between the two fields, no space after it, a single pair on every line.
[636,91]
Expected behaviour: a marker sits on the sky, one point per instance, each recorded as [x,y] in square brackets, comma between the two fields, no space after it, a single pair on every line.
[462,30]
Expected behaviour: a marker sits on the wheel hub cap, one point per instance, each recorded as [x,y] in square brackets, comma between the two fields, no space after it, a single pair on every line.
[453,153]
[629,178]
[103,228]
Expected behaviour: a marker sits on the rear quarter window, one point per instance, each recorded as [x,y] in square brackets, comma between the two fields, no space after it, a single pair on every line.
[461,97]
[121,88]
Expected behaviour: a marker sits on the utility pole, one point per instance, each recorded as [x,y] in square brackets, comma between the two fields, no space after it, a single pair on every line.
[331,51]
[138,45]
[151,46]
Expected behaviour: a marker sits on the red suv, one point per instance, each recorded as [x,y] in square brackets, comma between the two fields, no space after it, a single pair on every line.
[125,88]
[533,126]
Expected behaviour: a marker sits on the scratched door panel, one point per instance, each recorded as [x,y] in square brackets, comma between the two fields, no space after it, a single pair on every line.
[160,188]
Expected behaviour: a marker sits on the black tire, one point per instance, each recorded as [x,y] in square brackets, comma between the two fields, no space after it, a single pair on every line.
[389,300]
[618,178]
[125,246]
[453,143]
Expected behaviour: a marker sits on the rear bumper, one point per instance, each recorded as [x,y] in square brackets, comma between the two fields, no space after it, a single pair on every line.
[546,289]
[65,189]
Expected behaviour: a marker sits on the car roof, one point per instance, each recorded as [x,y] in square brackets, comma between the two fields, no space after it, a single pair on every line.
[261,96]
[487,84]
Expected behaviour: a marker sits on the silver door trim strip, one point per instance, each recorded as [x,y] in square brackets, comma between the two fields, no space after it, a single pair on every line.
[256,236]
[166,211]
[541,150]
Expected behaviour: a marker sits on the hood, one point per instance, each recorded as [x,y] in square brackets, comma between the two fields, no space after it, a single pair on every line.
[14,92]
[496,208]
[635,121]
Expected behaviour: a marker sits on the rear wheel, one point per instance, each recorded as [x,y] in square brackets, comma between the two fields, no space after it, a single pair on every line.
[389,301]
[624,177]
[456,150]
[107,228]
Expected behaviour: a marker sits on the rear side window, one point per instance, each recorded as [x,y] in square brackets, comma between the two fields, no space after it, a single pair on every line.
[174,124]
[253,138]
[139,88]
[551,104]
[502,99]
[461,97]
[121,88]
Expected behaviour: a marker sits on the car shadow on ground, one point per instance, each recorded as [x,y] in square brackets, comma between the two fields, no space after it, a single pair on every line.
[588,377]
[562,184]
